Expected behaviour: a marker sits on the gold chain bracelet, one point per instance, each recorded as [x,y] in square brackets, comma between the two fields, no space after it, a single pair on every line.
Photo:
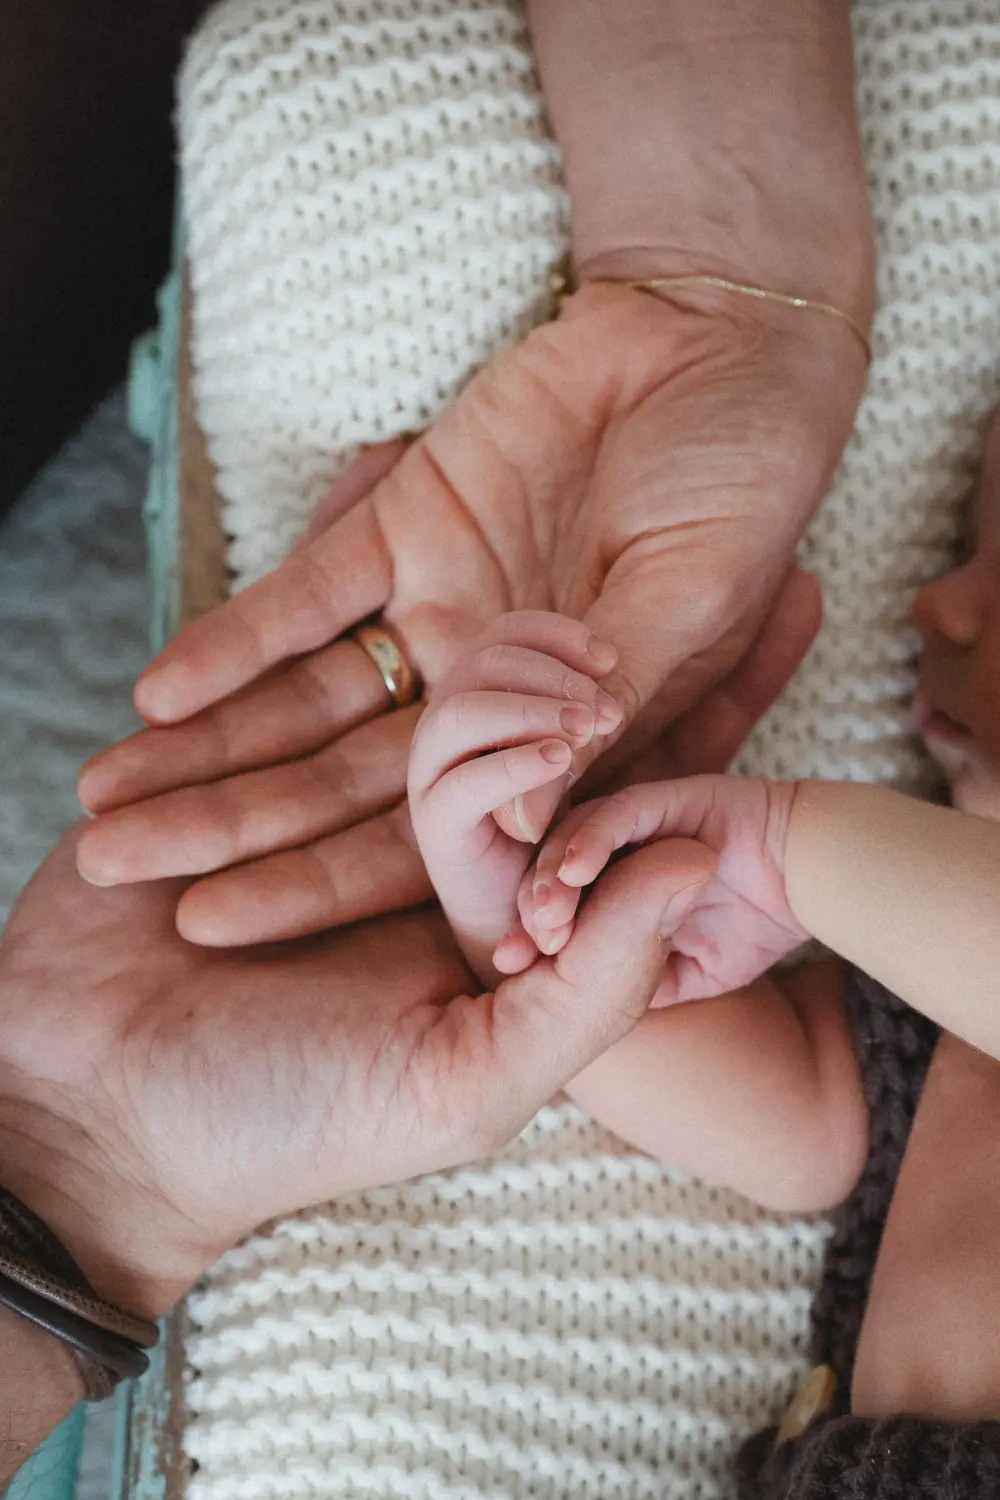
[562,288]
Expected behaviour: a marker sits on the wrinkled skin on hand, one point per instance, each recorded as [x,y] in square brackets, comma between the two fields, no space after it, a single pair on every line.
[159,1099]
[644,466]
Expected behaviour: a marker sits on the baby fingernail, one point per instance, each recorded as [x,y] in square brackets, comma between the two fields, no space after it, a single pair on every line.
[554,752]
[609,712]
[577,720]
[601,653]
[540,892]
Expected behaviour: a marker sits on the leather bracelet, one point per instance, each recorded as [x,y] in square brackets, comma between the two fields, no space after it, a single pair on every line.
[41,1281]
[114,1358]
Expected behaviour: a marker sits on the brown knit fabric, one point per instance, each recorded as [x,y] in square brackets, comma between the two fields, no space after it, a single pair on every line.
[850,1458]
[894,1046]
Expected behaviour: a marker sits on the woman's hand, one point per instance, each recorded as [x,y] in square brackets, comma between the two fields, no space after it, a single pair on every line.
[642,465]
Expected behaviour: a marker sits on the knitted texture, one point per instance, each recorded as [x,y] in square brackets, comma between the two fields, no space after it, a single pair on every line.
[895,1045]
[902,1458]
[372,205]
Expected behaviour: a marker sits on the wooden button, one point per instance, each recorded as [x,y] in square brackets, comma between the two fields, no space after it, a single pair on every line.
[813,1397]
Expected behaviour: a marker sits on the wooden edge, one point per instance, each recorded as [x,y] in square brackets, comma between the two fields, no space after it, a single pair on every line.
[204,575]
[151,1463]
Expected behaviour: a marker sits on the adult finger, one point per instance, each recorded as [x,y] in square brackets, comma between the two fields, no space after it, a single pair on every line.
[292,711]
[208,826]
[367,870]
[368,470]
[709,735]
[336,581]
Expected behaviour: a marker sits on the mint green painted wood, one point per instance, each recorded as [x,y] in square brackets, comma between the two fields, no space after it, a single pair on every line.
[152,401]
[149,1462]
[50,1474]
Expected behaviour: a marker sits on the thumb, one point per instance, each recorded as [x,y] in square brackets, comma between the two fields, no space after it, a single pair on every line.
[552,1021]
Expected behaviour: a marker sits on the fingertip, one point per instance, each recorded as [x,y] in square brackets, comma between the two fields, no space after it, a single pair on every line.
[93,867]
[609,712]
[602,654]
[158,696]
[97,785]
[515,953]
[572,873]
[201,926]
[85,792]
[555,753]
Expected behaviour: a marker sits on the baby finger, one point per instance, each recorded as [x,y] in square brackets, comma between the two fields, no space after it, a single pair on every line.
[466,796]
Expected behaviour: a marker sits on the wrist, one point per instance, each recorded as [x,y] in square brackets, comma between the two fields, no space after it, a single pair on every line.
[712,138]
[40,1383]
[133,1249]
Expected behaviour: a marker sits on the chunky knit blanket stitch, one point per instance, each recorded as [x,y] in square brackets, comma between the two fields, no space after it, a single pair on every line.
[373,203]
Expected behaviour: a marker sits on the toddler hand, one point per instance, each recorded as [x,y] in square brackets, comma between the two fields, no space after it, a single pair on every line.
[741,922]
[503,721]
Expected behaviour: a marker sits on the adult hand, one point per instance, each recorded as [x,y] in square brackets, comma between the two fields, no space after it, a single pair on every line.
[643,465]
[160,1099]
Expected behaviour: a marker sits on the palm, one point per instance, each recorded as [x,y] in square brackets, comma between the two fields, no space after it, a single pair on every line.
[741,925]
[160,1099]
[642,467]
[227,1085]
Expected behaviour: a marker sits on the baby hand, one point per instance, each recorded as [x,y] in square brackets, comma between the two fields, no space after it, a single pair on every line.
[503,721]
[741,923]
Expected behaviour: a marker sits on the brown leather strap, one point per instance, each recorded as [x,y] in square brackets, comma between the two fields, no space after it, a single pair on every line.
[41,1281]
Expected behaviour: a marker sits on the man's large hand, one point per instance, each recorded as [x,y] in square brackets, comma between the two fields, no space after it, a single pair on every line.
[159,1100]
[642,466]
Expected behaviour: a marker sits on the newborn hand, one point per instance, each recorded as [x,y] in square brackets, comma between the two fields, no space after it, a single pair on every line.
[739,925]
[505,720]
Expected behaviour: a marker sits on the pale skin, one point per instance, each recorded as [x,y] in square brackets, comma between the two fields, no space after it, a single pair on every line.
[694,436]
[750,1079]
[699,432]
[636,450]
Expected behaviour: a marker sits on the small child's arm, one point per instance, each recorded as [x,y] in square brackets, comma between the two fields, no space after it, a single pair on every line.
[908,892]
[757,1090]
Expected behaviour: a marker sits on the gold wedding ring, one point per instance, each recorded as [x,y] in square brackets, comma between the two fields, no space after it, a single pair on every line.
[401,678]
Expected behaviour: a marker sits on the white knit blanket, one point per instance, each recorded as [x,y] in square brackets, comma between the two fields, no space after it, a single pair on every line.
[373,203]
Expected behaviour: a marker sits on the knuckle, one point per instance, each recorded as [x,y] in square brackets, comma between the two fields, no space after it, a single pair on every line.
[497,661]
[334,775]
